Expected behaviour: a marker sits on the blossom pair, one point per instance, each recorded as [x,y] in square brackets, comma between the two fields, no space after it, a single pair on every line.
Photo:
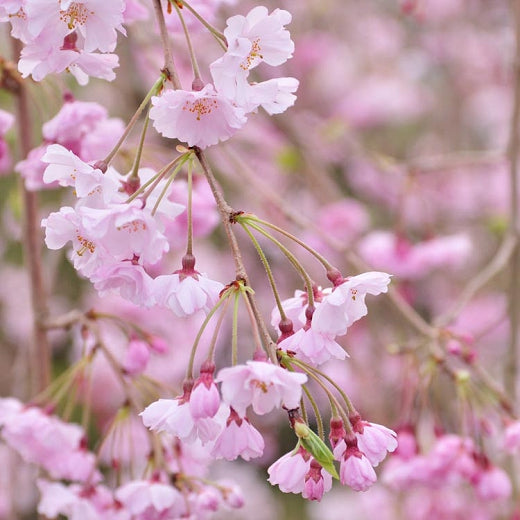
[216,111]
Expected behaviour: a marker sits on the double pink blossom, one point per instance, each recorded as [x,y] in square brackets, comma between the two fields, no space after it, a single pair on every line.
[261,384]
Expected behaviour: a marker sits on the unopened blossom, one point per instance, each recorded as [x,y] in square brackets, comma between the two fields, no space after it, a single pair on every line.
[289,471]
[199,118]
[205,399]
[136,357]
[261,384]
[238,439]
[317,482]
[356,470]
[186,294]
[346,304]
[374,440]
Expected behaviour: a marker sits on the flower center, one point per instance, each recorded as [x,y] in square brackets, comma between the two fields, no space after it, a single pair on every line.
[201,107]
[254,55]
[133,227]
[86,245]
[76,14]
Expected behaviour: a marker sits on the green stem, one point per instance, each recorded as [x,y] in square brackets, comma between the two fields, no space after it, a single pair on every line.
[256,332]
[294,261]
[156,87]
[319,420]
[328,266]
[268,271]
[167,185]
[223,297]
[189,247]
[344,396]
[211,352]
[331,397]
[221,39]
[193,58]
[137,160]
[234,333]
[154,181]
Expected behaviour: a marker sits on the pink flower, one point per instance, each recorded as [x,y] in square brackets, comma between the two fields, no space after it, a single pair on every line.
[186,294]
[199,118]
[356,470]
[126,278]
[205,399]
[31,169]
[346,304]
[72,124]
[265,34]
[69,170]
[289,471]
[139,496]
[492,483]
[313,347]
[74,502]
[39,59]
[239,438]
[95,21]
[48,442]
[374,440]
[174,416]
[317,482]
[262,385]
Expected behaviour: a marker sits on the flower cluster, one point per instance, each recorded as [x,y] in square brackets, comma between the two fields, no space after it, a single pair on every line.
[214,112]
[78,36]
[82,127]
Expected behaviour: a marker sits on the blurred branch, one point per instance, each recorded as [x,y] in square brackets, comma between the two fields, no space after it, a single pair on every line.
[477,282]
[511,364]
[40,353]
[450,161]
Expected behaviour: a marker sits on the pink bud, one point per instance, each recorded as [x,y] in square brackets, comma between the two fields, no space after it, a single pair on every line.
[136,357]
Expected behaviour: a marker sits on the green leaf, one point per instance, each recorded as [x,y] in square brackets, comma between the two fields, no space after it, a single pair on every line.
[317,448]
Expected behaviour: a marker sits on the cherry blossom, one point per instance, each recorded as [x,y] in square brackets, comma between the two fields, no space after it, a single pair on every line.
[346,304]
[260,384]
[186,294]
[289,471]
[199,118]
[238,439]
[356,470]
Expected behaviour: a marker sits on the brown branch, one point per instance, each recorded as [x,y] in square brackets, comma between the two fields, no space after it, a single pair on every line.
[40,353]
